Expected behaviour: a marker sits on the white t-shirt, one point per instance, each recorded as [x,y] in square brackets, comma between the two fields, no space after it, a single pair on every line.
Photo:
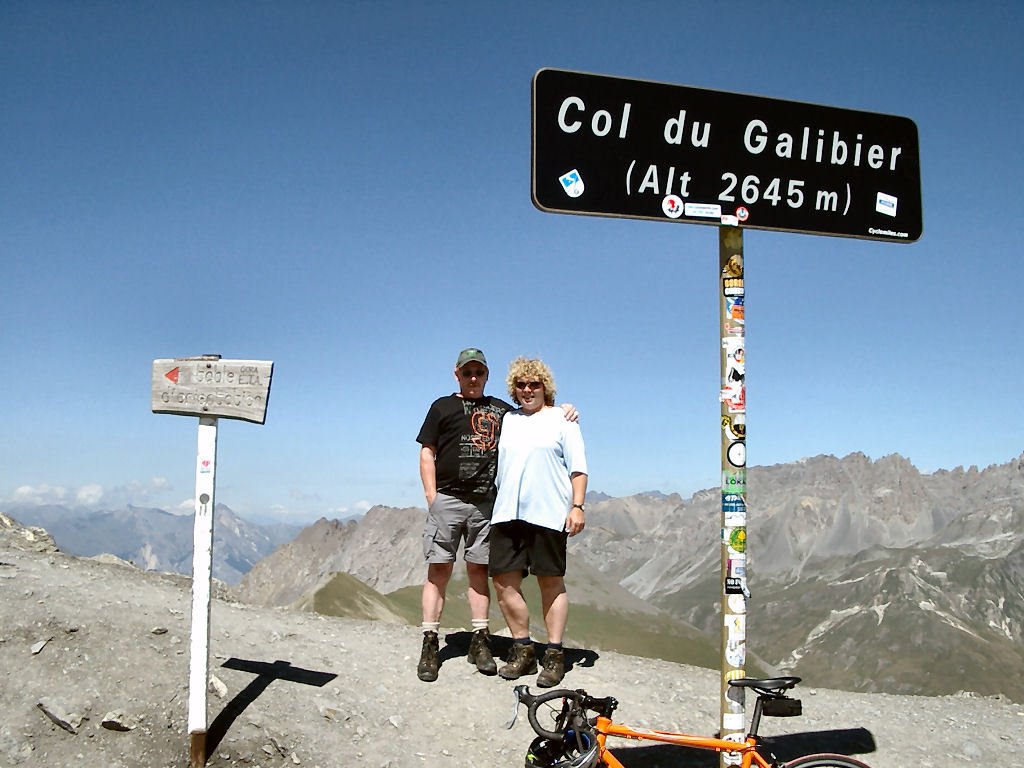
[536,455]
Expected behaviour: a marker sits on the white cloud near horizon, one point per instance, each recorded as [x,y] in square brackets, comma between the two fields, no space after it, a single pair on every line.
[135,493]
[89,495]
[156,492]
[39,494]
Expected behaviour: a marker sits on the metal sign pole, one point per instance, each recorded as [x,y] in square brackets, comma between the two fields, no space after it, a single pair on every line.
[612,146]
[734,482]
[202,572]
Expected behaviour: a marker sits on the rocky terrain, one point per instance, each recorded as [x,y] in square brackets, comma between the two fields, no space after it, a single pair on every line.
[94,659]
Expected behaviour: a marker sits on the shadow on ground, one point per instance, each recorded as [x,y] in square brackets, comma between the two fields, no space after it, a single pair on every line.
[456,645]
[266,673]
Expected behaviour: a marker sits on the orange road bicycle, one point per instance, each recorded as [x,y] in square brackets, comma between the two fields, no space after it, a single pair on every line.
[569,737]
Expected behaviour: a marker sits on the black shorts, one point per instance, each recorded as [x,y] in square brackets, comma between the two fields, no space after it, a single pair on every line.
[519,546]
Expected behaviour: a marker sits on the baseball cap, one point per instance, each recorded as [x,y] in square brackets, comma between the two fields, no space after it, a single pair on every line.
[470,355]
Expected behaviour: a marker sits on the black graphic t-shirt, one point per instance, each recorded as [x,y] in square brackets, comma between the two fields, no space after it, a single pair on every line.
[465,435]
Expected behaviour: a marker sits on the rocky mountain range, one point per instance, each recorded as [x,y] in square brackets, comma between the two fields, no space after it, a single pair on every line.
[867,574]
[866,571]
[156,540]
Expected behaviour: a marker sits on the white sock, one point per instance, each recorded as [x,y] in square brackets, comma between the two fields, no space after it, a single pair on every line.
[479,624]
[431,626]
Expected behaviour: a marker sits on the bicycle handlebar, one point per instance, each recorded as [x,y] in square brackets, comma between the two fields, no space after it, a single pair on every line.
[574,708]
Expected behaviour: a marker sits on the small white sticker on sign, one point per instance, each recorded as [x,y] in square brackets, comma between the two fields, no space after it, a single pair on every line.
[705,210]
[886,204]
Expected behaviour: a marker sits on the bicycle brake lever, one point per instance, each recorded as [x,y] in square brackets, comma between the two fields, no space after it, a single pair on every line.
[515,709]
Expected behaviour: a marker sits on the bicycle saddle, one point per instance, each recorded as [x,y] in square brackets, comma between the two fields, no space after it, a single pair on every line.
[768,684]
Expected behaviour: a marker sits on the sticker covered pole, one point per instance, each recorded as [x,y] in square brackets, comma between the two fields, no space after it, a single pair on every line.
[734,594]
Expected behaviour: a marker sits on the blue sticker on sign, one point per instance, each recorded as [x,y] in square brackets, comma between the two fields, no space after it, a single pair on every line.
[572,183]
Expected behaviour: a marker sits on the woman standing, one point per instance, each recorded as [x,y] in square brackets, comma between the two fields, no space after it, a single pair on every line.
[542,483]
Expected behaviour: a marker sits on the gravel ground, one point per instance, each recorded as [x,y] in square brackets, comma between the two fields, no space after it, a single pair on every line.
[94,658]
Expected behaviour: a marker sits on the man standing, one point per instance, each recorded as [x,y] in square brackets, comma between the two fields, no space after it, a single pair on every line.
[458,460]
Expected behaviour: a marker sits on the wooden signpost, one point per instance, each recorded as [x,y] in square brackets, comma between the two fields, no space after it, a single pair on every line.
[210,388]
[610,146]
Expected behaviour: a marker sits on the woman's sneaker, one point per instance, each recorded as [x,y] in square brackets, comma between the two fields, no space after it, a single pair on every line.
[522,661]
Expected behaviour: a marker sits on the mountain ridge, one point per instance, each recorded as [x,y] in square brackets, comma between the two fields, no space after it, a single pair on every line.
[833,545]
[868,561]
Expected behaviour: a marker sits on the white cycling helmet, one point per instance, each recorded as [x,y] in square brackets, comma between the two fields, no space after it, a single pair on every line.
[577,750]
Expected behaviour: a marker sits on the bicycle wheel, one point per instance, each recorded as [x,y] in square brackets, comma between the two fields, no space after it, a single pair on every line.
[824,760]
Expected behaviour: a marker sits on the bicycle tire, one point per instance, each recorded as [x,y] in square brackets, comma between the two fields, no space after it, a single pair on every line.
[543,698]
[825,760]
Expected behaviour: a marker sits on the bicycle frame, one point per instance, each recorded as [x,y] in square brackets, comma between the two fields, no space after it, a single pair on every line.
[747,749]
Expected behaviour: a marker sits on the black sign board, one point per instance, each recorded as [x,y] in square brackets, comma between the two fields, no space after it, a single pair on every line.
[611,146]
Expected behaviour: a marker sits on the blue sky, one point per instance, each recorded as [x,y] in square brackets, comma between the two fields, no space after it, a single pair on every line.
[343,188]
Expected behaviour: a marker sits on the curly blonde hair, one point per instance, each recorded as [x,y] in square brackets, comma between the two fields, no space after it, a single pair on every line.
[531,370]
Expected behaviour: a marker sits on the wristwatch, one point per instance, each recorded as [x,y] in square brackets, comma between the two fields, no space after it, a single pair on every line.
[579,507]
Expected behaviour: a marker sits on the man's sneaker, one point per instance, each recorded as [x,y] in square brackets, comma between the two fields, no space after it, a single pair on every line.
[522,661]
[426,670]
[553,668]
[480,653]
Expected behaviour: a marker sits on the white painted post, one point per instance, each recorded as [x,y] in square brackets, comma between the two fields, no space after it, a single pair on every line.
[202,573]
[207,387]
